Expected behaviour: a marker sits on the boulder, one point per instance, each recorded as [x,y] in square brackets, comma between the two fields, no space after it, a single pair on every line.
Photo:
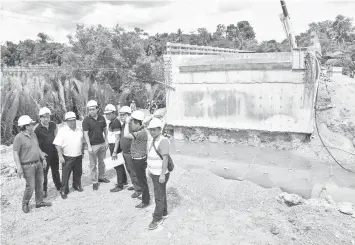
[346,208]
[290,199]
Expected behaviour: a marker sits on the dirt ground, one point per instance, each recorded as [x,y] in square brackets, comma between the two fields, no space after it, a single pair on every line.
[207,203]
[204,209]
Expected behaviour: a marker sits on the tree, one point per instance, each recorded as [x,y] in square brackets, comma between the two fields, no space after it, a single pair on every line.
[343,29]
[241,33]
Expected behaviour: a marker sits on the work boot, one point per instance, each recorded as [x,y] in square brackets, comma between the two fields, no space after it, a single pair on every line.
[136,194]
[43,204]
[95,187]
[25,208]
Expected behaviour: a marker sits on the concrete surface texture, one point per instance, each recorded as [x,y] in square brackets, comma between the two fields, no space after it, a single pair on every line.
[248,91]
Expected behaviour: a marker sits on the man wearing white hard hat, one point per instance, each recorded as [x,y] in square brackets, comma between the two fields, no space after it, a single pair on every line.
[95,134]
[158,152]
[70,145]
[46,131]
[139,138]
[114,132]
[125,145]
[30,161]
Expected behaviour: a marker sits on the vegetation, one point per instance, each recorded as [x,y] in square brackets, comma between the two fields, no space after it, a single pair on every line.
[111,65]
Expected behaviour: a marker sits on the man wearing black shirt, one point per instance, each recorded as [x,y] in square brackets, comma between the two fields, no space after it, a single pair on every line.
[46,132]
[94,127]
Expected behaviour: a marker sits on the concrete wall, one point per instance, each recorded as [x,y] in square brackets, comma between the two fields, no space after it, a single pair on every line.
[246,91]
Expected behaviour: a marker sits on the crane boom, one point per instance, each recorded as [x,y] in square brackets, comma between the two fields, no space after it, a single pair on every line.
[286,23]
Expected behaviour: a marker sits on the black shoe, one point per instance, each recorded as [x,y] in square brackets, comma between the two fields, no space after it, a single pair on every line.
[95,187]
[45,194]
[25,208]
[105,180]
[136,194]
[117,189]
[142,205]
[78,188]
[43,204]
[64,195]
[131,188]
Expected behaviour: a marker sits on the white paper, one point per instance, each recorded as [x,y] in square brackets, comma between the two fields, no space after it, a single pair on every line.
[109,163]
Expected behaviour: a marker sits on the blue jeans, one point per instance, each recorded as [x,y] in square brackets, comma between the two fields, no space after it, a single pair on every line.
[161,204]
[33,174]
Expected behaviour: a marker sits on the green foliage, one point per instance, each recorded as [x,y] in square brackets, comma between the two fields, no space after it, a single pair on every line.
[111,64]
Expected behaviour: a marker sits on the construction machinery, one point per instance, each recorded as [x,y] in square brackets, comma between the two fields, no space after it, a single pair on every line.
[286,23]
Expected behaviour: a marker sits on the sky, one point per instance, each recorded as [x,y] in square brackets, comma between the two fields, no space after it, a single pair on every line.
[20,20]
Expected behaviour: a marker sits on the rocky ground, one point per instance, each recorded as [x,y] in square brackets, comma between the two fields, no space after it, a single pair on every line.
[204,209]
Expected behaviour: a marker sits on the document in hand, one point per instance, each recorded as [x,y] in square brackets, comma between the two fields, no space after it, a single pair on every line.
[109,163]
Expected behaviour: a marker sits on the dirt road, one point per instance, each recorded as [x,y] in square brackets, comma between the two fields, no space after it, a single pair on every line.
[204,209]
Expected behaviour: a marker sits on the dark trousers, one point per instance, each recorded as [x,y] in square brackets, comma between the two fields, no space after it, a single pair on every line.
[120,170]
[75,165]
[140,165]
[131,171]
[33,174]
[52,162]
[161,204]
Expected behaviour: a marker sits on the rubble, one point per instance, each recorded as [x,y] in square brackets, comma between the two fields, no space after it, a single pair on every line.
[289,199]
[275,230]
[346,208]
[213,139]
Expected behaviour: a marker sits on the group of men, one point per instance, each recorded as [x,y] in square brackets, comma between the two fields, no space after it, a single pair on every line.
[38,148]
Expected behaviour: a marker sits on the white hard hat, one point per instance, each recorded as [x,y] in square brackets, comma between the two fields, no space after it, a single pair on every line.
[138,115]
[70,116]
[126,109]
[109,108]
[43,111]
[91,103]
[155,123]
[25,120]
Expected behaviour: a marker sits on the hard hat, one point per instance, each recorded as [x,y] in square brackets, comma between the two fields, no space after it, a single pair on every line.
[109,108]
[155,123]
[138,115]
[91,103]
[25,120]
[126,109]
[43,111]
[69,116]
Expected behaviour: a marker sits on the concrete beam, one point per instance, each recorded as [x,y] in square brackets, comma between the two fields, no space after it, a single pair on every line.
[236,66]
